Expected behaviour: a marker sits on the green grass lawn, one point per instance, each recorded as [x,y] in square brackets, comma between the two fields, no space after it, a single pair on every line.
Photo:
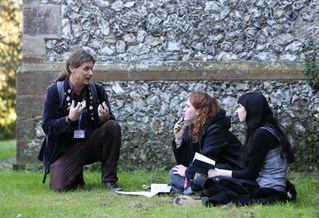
[23,195]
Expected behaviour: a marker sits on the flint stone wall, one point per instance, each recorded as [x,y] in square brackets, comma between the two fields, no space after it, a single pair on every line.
[152,54]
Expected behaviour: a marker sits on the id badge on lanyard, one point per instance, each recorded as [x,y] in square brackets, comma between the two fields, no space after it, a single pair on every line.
[79,133]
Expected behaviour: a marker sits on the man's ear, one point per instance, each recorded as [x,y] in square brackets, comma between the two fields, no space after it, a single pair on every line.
[71,68]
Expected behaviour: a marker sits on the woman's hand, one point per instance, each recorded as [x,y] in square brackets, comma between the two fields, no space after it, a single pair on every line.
[219,172]
[180,170]
[213,172]
[178,130]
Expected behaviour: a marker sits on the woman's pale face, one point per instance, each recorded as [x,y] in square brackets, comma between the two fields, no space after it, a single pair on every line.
[242,113]
[190,113]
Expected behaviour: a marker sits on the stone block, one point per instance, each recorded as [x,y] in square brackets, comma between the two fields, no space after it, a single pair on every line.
[42,21]
[29,3]
[29,105]
[25,128]
[264,71]
[27,151]
[34,82]
[33,50]
[294,70]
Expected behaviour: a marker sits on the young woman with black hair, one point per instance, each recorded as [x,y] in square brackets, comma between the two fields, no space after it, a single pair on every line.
[266,154]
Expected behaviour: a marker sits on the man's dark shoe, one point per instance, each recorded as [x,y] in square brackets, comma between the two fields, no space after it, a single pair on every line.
[113,186]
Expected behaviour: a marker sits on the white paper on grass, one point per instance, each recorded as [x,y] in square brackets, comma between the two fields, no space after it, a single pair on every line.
[155,189]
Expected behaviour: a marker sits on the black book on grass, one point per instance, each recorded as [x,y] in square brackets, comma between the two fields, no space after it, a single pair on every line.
[201,164]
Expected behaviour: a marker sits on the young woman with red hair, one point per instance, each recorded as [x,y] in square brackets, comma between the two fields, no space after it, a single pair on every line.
[204,129]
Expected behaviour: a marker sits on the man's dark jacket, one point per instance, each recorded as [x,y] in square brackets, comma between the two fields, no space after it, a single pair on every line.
[59,134]
[216,142]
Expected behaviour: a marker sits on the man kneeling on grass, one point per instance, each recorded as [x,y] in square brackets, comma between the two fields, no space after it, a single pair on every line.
[79,126]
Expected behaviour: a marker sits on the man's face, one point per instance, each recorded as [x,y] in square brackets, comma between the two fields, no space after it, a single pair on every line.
[83,73]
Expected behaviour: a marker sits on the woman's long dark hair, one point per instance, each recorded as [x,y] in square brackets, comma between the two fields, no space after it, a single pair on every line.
[259,114]
[77,58]
[208,108]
